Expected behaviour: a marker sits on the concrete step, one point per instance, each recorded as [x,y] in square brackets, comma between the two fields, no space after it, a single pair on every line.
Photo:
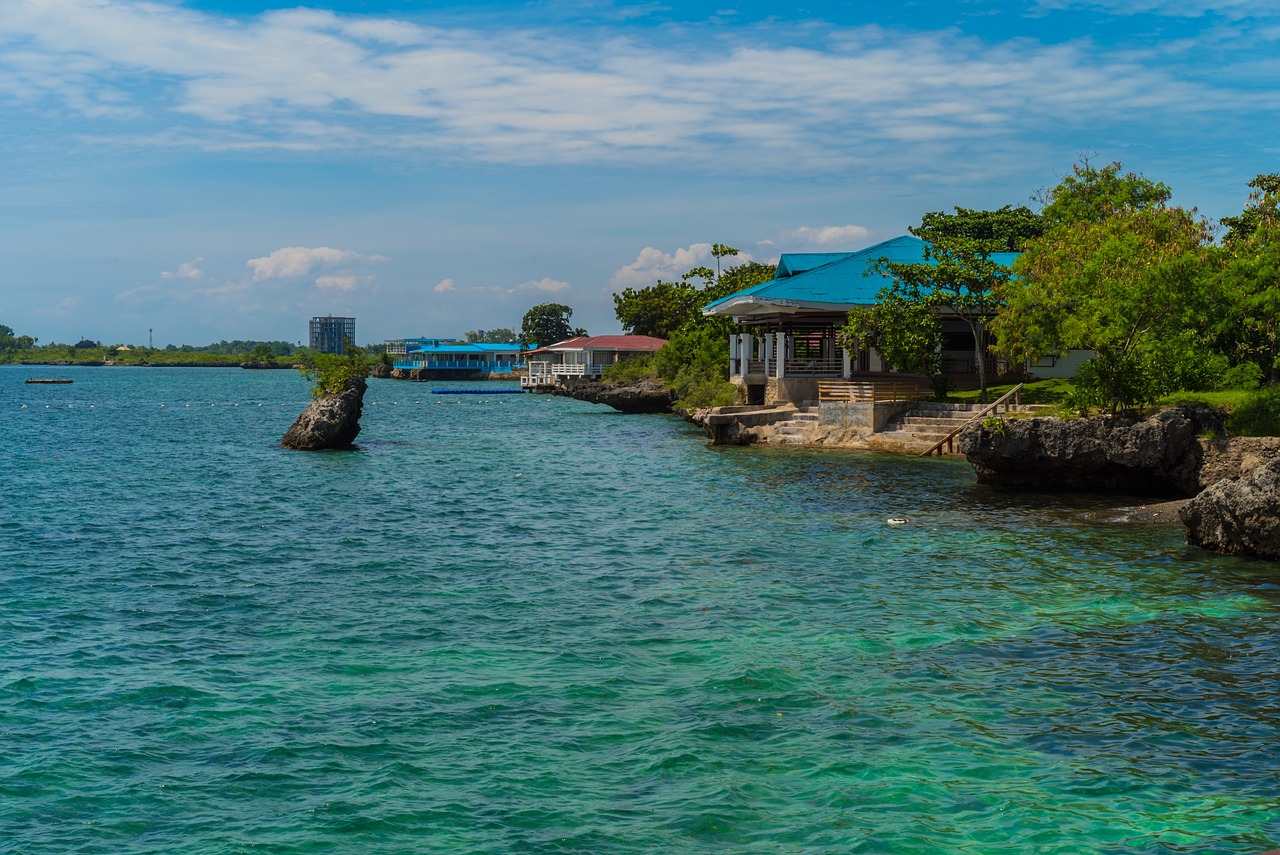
[932,421]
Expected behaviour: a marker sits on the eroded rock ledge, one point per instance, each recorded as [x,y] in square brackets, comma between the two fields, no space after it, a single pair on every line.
[330,422]
[1239,516]
[645,396]
[1179,452]
[1160,456]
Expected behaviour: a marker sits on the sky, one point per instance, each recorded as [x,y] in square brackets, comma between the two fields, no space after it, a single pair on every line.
[189,172]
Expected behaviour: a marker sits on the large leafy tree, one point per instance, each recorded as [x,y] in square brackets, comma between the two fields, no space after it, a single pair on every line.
[547,323]
[957,276]
[1119,272]
[658,310]
[1250,278]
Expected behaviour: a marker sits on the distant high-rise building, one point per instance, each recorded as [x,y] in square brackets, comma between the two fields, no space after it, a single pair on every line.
[332,335]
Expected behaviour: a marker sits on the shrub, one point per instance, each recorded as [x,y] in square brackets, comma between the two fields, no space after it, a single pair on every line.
[630,370]
[332,374]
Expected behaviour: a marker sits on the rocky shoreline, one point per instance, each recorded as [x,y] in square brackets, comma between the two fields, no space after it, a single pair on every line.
[1225,491]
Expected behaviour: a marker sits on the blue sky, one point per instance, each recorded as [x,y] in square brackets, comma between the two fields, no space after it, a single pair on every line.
[217,169]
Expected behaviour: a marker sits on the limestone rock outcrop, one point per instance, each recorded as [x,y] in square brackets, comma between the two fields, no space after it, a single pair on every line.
[329,422]
[1238,517]
[1159,456]
[644,396]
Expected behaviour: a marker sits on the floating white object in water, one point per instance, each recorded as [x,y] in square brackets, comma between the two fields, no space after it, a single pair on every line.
[897,521]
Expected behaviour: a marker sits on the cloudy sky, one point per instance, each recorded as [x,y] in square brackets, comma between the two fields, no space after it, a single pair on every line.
[225,169]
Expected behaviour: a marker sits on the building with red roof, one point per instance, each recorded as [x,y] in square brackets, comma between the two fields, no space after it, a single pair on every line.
[584,356]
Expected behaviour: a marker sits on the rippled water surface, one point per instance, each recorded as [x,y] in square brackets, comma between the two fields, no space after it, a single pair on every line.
[526,624]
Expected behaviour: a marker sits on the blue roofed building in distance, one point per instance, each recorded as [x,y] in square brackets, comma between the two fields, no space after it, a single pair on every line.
[446,359]
[789,325]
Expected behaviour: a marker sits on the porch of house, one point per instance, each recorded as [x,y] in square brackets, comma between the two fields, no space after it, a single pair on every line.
[543,373]
[794,366]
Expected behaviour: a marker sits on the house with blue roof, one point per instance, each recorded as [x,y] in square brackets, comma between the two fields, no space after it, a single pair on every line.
[790,323]
[444,359]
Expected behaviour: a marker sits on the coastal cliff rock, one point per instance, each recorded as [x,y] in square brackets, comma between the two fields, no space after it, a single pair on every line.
[645,396]
[380,370]
[1160,456]
[1239,517]
[329,422]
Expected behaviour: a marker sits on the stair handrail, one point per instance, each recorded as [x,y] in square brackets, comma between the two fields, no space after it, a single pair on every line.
[948,440]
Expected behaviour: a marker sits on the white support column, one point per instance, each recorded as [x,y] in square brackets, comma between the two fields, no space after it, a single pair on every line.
[735,353]
[846,370]
[782,355]
[768,353]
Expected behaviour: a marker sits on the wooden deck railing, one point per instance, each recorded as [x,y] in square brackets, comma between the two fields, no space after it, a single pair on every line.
[949,440]
[870,390]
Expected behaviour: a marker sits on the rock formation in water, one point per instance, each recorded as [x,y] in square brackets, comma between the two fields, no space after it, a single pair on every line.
[644,396]
[1238,517]
[1159,456]
[329,422]
[380,370]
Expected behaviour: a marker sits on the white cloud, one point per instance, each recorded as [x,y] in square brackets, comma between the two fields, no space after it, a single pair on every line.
[444,286]
[337,283]
[292,261]
[307,80]
[63,307]
[544,284]
[1176,8]
[652,265]
[829,235]
[186,270]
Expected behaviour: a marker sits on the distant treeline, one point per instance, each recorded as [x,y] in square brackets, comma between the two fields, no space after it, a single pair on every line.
[24,348]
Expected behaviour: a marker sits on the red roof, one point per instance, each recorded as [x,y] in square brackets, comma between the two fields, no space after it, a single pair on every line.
[606,342]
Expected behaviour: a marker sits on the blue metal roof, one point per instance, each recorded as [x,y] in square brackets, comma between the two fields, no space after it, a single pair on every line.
[430,346]
[829,280]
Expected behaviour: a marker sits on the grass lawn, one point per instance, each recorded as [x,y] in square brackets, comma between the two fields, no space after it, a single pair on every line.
[1052,391]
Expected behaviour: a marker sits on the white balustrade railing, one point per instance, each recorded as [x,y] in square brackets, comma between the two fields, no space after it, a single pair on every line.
[815,367]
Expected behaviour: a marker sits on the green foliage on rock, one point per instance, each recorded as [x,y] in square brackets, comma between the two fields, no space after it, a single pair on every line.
[332,374]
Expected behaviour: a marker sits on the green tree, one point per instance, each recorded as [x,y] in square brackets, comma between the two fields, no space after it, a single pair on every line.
[906,333]
[263,352]
[1127,282]
[957,276]
[1091,194]
[658,310]
[719,251]
[547,323]
[695,360]
[1250,278]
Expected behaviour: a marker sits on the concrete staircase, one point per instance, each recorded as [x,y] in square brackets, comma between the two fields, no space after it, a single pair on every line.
[923,425]
[794,430]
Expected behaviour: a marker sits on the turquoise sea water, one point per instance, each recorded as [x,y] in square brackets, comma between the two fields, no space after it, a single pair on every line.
[527,624]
